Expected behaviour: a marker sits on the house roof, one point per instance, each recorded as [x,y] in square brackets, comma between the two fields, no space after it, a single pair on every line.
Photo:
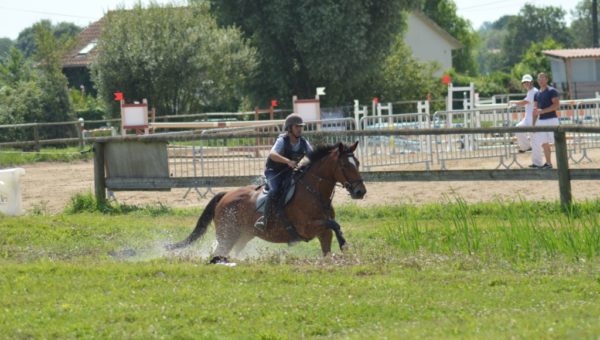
[574,53]
[434,26]
[85,50]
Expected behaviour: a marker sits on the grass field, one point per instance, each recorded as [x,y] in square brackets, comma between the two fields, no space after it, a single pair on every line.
[444,271]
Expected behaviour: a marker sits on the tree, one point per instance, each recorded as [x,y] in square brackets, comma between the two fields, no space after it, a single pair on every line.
[581,26]
[534,61]
[303,45]
[53,83]
[534,24]
[5,45]
[35,94]
[489,54]
[443,12]
[177,58]
[19,95]
[61,31]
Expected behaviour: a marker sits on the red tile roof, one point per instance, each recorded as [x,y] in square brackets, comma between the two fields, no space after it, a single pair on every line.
[574,53]
[90,34]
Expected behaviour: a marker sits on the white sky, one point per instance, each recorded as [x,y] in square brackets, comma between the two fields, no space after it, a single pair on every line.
[480,11]
[18,15]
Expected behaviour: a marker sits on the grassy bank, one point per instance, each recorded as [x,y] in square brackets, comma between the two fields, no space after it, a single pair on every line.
[445,270]
[14,157]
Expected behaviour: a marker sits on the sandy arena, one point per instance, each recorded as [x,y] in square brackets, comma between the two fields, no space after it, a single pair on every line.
[49,186]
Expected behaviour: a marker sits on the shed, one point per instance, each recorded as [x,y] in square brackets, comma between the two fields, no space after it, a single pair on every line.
[575,72]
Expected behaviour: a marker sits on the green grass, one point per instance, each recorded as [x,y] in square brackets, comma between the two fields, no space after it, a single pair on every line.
[493,270]
[14,157]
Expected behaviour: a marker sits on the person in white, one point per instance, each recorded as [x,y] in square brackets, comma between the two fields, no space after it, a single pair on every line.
[528,102]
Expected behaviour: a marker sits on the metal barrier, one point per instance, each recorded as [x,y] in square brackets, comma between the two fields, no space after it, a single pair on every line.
[213,156]
[379,152]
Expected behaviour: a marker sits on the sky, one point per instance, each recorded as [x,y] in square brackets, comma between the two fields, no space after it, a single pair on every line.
[18,15]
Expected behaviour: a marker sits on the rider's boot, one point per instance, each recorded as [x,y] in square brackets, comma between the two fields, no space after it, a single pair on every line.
[262,221]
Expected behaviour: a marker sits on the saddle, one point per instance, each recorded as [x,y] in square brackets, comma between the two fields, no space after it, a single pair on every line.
[288,193]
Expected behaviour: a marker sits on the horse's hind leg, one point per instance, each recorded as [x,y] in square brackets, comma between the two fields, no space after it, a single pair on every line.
[241,243]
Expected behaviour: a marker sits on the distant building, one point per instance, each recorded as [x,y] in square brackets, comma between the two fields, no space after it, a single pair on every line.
[76,62]
[429,42]
[575,72]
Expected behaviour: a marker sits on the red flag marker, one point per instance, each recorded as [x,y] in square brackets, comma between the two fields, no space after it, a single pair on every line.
[118,96]
[375,100]
[274,103]
[446,79]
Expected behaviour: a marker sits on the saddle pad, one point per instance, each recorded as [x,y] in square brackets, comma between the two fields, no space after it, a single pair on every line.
[262,198]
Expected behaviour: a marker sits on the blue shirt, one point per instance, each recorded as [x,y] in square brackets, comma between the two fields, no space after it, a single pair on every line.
[544,100]
[279,145]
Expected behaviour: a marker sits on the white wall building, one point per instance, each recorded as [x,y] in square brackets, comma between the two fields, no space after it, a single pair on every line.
[429,42]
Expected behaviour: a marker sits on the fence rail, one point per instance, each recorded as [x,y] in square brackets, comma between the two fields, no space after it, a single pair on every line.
[231,158]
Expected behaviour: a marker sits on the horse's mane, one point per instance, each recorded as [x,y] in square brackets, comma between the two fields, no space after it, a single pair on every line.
[320,152]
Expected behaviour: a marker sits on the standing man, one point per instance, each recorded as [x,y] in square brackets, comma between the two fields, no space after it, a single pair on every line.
[548,103]
[528,102]
[289,148]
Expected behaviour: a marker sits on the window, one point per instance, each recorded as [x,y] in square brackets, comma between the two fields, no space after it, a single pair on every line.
[88,47]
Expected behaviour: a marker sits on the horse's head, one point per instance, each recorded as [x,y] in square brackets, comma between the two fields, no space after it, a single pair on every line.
[346,171]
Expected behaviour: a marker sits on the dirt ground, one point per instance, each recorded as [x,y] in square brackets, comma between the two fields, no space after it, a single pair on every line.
[49,186]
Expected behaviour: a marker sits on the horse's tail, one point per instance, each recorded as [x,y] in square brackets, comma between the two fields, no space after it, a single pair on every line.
[207,216]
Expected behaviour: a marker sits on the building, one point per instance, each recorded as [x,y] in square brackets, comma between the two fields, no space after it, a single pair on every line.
[575,72]
[429,42]
[76,62]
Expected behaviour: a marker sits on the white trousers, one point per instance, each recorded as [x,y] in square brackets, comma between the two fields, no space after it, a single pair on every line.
[523,137]
[540,138]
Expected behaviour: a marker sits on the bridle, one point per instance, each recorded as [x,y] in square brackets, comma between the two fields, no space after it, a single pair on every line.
[346,184]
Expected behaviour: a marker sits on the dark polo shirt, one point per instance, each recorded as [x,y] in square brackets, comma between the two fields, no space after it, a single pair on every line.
[544,100]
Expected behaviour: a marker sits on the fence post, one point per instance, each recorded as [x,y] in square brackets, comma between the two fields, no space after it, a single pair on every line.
[36,137]
[562,162]
[99,174]
[79,127]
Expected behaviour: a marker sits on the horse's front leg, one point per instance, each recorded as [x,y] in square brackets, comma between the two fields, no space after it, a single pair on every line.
[325,239]
[337,229]
[329,225]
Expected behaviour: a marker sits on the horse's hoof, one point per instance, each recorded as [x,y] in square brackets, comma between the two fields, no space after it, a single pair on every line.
[222,260]
[345,246]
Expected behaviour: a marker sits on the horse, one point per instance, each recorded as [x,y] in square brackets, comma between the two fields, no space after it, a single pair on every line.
[308,214]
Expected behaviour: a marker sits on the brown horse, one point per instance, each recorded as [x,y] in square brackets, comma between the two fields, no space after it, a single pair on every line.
[308,214]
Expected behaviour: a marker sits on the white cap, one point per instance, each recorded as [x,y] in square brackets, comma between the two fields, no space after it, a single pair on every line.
[527,77]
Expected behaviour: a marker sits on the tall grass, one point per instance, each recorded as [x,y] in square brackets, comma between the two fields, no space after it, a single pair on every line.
[13,157]
[511,231]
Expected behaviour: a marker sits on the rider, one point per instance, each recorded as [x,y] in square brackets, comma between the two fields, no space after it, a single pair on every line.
[288,150]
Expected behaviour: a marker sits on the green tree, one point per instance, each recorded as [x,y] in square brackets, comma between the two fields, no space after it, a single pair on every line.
[534,24]
[534,61]
[20,95]
[5,45]
[61,31]
[581,26]
[302,45]
[14,68]
[177,58]
[52,82]
[443,12]
[489,54]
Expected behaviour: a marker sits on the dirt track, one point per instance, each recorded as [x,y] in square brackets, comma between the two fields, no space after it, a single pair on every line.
[49,186]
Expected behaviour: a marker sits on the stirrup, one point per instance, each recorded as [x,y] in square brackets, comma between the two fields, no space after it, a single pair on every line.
[260,223]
